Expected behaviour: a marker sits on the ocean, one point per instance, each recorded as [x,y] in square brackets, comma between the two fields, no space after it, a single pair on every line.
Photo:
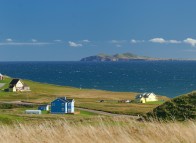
[169,78]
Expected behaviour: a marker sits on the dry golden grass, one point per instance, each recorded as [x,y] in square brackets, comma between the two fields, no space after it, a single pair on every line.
[100,130]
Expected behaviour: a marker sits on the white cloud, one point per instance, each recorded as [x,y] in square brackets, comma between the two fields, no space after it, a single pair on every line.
[117,41]
[87,41]
[158,40]
[136,41]
[190,41]
[9,40]
[73,44]
[114,41]
[163,41]
[33,40]
[118,45]
[174,41]
[133,41]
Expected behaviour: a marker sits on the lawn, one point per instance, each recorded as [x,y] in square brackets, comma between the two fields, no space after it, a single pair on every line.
[85,98]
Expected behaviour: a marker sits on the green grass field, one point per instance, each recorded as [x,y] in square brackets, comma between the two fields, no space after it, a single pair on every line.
[85,98]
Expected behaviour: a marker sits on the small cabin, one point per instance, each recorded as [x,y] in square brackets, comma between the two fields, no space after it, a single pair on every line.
[44,107]
[62,105]
[17,85]
[33,112]
[1,76]
[146,97]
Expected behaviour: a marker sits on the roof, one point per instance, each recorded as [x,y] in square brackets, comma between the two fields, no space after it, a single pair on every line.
[70,100]
[64,99]
[145,95]
[1,74]
[14,81]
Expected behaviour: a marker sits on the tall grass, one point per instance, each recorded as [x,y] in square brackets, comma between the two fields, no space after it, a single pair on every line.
[100,130]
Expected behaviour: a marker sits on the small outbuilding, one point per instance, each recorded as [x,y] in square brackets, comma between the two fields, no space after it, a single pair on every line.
[62,105]
[33,112]
[44,107]
[18,85]
[146,97]
[1,77]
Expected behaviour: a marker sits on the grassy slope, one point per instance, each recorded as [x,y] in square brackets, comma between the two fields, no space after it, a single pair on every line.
[45,93]
[86,98]
[180,108]
[85,127]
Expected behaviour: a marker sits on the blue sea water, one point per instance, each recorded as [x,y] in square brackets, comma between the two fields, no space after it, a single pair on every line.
[170,78]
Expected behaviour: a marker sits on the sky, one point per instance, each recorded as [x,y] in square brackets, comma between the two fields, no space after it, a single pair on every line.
[68,30]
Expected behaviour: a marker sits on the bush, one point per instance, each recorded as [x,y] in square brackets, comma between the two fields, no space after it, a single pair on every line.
[179,108]
[6,106]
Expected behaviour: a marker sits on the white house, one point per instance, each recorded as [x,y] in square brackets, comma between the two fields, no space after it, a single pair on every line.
[146,97]
[18,85]
[1,76]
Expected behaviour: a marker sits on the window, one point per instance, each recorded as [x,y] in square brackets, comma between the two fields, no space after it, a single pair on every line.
[53,104]
[62,109]
[62,104]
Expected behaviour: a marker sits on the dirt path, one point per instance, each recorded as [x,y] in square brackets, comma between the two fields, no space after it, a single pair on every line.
[83,109]
[2,84]
[106,113]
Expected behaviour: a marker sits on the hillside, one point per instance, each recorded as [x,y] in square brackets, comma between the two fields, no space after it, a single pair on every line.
[85,98]
[179,108]
[117,57]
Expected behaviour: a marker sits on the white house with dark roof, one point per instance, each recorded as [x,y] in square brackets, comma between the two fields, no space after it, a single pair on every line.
[18,85]
[146,97]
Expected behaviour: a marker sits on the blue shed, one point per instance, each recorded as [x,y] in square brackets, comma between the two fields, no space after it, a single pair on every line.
[43,107]
[61,105]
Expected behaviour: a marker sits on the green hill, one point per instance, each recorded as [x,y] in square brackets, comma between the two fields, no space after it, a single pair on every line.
[180,108]
[117,57]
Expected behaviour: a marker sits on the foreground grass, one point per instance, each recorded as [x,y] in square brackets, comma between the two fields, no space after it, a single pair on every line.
[100,130]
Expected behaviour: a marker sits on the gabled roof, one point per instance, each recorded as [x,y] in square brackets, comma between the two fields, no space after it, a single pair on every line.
[1,74]
[145,95]
[64,99]
[14,81]
[70,100]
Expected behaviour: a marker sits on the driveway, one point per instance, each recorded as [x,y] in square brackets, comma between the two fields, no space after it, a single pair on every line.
[2,84]
[106,113]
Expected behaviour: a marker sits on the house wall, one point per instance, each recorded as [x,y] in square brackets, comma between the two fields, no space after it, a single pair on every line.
[47,108]
[19,85]
[143,100]
[151,97]
[42,108]
[70,107]
[58,106]
[14,89]
[26,88]
[1,77]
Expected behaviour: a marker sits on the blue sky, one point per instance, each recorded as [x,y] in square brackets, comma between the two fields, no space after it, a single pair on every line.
[67,30]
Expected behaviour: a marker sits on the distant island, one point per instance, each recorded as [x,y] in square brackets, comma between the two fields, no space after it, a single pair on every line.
[127,57]
[118,57]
